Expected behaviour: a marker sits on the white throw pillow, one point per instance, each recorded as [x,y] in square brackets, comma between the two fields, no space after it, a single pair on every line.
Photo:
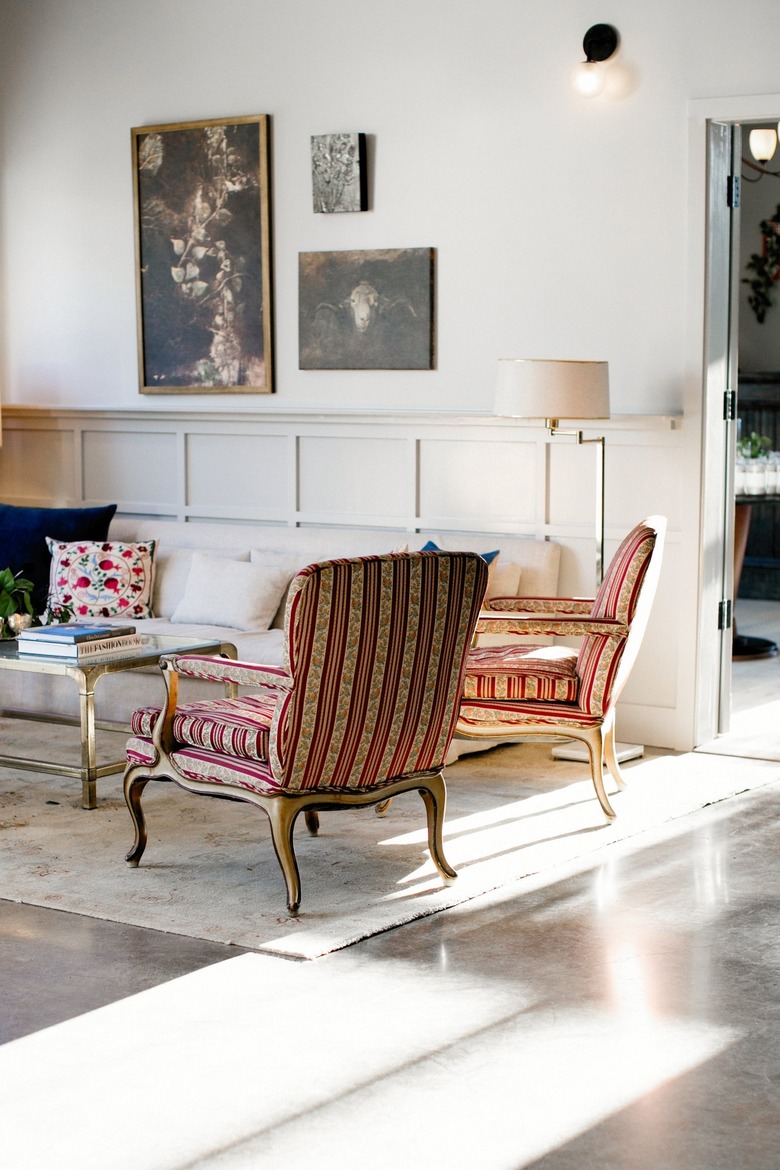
[279,559]
[172,567]
[230,593]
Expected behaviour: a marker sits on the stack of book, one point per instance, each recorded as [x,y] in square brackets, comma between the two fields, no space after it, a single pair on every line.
[77,640]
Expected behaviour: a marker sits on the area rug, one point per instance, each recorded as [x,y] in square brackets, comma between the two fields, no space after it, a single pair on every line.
[209,870]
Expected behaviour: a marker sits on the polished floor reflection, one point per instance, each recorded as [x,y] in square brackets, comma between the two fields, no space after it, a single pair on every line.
[624,1016]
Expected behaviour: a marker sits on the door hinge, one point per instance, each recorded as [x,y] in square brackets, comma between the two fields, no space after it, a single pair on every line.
[732,191]
[724,615]
[729,405]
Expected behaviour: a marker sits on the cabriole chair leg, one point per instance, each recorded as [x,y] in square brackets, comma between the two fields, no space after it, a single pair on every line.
[435,798]
[282,814]
[595,747]
[134,787]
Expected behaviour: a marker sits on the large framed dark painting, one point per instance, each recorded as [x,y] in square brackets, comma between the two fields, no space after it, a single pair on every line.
[366,310]
[203,257]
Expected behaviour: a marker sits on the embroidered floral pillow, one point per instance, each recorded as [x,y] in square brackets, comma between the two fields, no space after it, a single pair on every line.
[111,579]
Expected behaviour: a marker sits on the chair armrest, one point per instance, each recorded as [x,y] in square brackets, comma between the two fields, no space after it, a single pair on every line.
[228,670]
[572,626]
[220,670]
[562,605]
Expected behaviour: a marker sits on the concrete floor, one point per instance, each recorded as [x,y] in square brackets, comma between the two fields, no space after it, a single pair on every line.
[624,1017]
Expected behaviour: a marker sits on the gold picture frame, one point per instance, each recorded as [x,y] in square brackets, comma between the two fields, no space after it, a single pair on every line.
[203,257]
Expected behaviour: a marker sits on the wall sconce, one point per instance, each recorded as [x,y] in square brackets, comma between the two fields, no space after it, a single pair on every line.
[763,143]
[600,43]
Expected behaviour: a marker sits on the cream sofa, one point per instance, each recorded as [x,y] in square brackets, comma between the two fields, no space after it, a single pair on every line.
[207,582]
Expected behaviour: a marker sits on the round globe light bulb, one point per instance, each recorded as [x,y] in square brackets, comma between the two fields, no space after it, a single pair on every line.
[589,79]
[763,144]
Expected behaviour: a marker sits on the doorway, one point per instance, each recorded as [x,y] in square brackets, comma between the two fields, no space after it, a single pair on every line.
[749,706]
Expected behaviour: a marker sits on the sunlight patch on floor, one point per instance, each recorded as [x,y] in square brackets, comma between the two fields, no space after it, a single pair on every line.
[256,1062]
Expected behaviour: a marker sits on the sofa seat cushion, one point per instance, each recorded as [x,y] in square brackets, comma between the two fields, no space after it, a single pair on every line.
[234,727]
[139,750]
[522,673]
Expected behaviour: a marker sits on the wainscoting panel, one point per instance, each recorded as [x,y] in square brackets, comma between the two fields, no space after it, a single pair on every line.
[626,489]
[38,466]
[139,468]
[241,475]
[471,483]
[358,480]
[572,483]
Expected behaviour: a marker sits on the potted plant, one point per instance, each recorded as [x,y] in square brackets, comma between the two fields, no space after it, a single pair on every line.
[15,598]
[764,266]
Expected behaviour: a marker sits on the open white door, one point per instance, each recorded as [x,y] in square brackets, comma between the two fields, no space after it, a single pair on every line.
[720,384]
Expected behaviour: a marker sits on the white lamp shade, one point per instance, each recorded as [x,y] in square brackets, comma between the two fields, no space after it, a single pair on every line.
[527,388]
[763,144]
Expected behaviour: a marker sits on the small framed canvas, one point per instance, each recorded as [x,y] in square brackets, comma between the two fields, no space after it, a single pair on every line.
[366,310]
[203,257]
[338,172]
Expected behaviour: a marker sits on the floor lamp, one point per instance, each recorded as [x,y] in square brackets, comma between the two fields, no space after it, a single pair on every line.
[556,391]
[559,391]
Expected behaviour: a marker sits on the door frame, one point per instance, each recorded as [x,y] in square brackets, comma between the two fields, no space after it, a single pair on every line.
[711,470]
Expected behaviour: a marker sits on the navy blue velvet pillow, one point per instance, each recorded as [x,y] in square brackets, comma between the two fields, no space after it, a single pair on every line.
[23,533]
[488,557]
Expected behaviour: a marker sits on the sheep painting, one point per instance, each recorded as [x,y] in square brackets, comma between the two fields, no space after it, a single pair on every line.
[366,310]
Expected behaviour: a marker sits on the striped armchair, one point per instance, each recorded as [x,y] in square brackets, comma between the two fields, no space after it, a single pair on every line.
[364,708]
[532,690]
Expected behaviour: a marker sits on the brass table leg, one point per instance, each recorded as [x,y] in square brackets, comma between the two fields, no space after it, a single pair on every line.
[88,742]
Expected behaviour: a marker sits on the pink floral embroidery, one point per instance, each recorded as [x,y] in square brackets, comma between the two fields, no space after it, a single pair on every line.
[102,580]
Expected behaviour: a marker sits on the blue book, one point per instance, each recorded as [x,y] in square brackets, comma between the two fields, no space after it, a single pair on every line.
[73,633]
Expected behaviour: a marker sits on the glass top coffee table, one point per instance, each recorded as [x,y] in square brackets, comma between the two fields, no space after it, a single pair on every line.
[86,674]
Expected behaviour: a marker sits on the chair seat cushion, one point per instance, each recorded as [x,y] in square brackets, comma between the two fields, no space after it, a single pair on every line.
[235,727]
[207,767]
[521,673]
[219,768]
[502,716]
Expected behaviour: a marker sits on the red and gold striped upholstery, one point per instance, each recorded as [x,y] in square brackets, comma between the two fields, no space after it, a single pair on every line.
[513,693]
[236,727]
[556,674]
[545,673]
[375,650]
[364,708]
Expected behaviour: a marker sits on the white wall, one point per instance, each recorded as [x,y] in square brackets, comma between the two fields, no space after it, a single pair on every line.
[559,223]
